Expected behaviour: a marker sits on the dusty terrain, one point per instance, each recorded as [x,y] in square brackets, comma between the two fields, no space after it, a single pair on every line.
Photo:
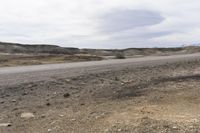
[14,54]
[24,60]
[150,95]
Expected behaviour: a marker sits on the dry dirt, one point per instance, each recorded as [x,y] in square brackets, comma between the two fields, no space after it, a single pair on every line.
[10,60]
[150,99]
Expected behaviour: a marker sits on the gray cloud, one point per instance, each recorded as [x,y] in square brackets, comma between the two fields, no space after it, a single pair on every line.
[120,20]
[99,23]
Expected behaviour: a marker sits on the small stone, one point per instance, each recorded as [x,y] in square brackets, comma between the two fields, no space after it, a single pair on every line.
[15,109]
[66,95]
[191,127]
[49,130]
[27,115]
[67,80]
[14,100]
[119,130]
[195,120]
[24,94]
[116,79]
[7,95]
[73,119]
[175,127]
[5,124]
[82,104]
[97,117]
[43,116]
[48,104]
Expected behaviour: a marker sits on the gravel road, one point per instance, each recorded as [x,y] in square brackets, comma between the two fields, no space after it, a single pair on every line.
[26,74]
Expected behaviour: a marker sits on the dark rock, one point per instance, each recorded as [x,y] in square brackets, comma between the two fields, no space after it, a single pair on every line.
[66,95]
[82,104]
[48,104]
[24,94]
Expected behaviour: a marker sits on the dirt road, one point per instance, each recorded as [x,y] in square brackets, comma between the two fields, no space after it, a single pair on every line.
[141,95]
[24,74]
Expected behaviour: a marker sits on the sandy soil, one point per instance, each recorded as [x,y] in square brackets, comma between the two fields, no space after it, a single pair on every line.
[146,99]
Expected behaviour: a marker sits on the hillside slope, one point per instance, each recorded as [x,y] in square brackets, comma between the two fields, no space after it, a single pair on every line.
[14,48]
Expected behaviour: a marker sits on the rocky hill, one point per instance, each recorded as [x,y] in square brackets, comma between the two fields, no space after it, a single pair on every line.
[143,51]
[14,48]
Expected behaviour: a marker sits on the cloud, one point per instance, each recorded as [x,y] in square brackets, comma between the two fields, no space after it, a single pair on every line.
[120,20]
[100,23]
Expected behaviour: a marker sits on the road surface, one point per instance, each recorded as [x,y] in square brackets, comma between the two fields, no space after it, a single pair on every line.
[26,74]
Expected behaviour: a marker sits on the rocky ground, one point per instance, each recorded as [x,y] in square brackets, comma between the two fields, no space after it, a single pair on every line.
[150,99]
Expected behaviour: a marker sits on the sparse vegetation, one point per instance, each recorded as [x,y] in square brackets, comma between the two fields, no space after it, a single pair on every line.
[19,60]
[120,55]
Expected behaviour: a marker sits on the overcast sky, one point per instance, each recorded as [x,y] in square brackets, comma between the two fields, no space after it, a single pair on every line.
[101,23]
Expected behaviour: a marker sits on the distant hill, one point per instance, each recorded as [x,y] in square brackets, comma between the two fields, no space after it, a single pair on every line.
[15,48]
[143,51]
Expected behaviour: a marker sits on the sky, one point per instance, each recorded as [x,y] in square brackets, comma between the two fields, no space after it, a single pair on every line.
[101,23]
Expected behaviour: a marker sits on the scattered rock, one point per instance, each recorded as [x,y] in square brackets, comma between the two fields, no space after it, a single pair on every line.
[116,79]
[49,130]
[7,95]
[73,119]
[5,124]
[191,127]
[15,109]
[82,104]
[14,100]
[175,127]
[67,80]
[97,117]
[43,116]
[29,86]
[25,93]
[119,130]
[195,120]
[48,104]
[66,95]
[27,115]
